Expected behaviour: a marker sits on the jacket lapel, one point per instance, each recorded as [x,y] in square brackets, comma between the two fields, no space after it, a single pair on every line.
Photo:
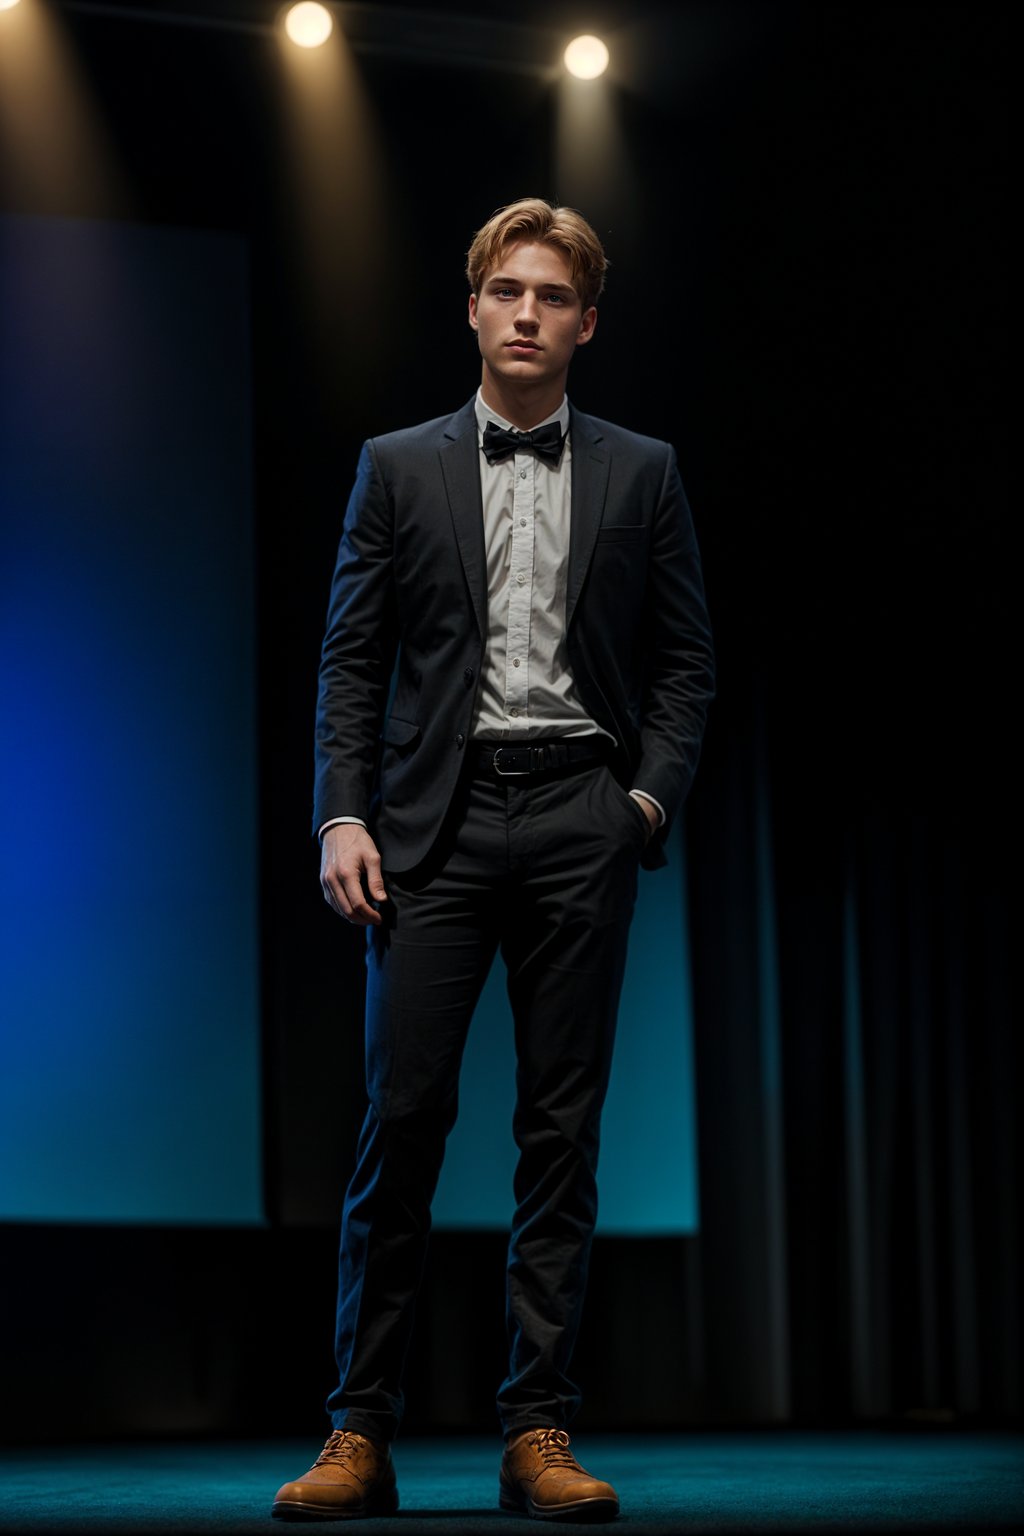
[460,465]
[590,466]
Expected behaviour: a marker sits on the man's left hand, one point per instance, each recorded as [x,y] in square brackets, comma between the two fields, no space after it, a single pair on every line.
[650,811]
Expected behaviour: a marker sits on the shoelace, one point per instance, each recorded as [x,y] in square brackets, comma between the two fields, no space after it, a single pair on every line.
[342,1444]
[553,1445]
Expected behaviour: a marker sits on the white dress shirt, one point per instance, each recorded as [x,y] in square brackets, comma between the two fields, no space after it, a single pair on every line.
[526,687]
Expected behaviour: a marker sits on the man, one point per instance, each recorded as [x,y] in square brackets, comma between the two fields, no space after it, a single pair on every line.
[536,573]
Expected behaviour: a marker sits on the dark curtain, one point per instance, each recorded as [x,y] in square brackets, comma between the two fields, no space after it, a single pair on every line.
[858,1069]
[851,833]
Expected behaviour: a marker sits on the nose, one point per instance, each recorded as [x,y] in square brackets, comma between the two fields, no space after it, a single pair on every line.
[527,313]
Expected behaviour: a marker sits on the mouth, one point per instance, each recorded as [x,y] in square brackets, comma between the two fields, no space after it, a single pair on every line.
[522,346]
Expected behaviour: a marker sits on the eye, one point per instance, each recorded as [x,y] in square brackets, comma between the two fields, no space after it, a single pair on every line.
[556,298]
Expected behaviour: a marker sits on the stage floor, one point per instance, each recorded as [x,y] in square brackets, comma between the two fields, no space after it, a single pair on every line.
[723,1483]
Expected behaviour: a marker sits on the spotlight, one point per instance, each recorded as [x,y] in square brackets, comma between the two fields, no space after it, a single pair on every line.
[8,5]
[586,57]
[308,24]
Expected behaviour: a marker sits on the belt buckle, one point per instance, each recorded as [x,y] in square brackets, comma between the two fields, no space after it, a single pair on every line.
[510,773]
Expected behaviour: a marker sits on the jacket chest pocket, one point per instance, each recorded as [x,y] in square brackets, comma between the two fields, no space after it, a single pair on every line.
[622,533]
[617,579]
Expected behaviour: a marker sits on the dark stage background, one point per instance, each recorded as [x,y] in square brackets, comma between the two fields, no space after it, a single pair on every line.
[804,212]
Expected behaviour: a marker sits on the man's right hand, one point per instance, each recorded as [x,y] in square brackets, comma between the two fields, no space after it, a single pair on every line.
[349,868]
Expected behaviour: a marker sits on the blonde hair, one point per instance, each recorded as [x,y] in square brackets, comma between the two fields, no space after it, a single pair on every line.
[531,218]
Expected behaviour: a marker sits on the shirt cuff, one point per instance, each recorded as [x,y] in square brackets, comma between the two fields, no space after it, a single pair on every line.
[341,821]
[643,795]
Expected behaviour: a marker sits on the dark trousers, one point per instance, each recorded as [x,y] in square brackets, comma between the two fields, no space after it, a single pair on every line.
[546,870]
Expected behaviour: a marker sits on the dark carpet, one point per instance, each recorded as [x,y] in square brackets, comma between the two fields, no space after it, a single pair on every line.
[726,1483]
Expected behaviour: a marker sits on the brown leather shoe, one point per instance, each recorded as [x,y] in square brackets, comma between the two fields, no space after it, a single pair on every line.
[539,1474]
[351,1477]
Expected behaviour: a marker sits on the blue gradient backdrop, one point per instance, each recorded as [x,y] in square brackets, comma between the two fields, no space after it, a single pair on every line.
[129,1019]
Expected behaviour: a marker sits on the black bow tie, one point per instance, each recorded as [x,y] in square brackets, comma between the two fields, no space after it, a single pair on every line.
[546,442]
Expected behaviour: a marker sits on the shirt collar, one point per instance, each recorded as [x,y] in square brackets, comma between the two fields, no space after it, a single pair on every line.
[484,414]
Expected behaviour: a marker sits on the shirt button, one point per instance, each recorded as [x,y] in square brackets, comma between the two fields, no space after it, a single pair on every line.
[522,474]
[467,676]
[520,578]
[522,522]
[516,662]
[460,740]
[514,713]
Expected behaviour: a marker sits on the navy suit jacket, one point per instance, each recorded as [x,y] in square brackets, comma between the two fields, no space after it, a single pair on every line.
[411,582]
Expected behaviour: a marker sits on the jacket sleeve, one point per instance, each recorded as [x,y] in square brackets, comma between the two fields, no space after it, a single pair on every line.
[679,677]
[358,651]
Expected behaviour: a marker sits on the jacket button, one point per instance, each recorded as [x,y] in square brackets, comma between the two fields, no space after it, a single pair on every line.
[460,740]
[467,676]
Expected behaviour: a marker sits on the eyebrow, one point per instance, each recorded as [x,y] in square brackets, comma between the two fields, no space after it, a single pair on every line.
[518,283]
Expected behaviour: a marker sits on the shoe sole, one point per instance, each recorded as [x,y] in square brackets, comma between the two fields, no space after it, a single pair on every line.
[582,1511]
[291,1509]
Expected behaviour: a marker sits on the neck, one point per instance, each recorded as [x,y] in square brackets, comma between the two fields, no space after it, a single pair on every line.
[525,406]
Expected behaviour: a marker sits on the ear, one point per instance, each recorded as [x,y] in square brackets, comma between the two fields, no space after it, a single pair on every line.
[472,312]
[588,320]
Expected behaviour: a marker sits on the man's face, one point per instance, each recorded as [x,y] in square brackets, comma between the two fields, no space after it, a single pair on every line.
[528,317]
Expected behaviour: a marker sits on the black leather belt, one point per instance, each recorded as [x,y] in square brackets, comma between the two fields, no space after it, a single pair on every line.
[532,759]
